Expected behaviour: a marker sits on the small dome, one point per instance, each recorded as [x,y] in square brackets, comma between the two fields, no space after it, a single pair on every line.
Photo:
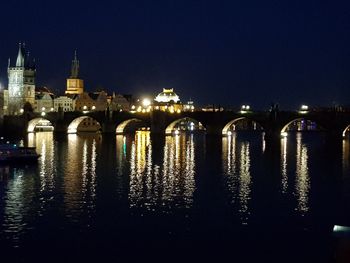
[167,95]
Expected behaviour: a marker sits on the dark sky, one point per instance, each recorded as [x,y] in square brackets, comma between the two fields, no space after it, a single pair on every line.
[223,52]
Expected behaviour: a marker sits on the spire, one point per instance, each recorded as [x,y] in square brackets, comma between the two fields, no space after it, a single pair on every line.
[75,67]
[27,60]
[20,56]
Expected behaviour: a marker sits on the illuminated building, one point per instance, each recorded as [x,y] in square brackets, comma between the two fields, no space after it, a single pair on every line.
[189,106]
[100,99]
[75,85]
[83,102]
[21,82]
[97,101]
[3,102]
[168,100]
[64,103]
[119,102]
[167,96]
[43,100]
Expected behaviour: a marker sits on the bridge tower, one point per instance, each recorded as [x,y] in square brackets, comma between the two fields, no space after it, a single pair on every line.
[21,82]
[75,85]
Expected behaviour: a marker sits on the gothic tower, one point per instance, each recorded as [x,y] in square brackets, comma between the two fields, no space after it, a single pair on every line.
[75,85]
[21,82]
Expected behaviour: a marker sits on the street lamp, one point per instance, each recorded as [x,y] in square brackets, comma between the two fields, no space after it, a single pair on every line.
[245,108]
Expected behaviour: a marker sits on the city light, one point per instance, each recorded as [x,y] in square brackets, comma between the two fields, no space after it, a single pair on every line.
[245,109]
[85,109]
[146,102]
[21,110]
[304,109]
[284,134]
[93,107]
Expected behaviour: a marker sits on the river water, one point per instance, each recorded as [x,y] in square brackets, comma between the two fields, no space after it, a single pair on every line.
[184,197]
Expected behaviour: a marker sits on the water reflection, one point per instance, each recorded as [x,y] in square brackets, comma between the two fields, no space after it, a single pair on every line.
[121,161]
[80,175]
[284,165]
[236,166]
[302,181]
[20,192]
[153,186]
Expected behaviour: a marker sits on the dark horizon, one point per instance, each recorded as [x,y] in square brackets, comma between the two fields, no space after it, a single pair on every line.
[222,53]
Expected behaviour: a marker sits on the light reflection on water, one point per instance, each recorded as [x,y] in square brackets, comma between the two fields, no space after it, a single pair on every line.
[18,197]
[80,175]
[284,165]
[152,186]
[236,160]
[302,180]
[236,166]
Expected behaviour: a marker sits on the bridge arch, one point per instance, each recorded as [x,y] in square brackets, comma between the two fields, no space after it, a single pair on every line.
[44,124]
[287,125]
[226,129]
[347,128]
[74,125]
[121,128]
[184,124]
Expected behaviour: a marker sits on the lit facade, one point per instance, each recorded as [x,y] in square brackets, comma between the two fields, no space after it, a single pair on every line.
[75,85]
[100,99]
[97,101]
[167,96]
[63,103]
[43,102]
[169,101]
[3,102]
[83,102]
[119,102]
[189,106]
[21,82]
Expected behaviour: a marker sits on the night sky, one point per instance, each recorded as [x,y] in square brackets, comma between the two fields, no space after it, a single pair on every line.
[222,52]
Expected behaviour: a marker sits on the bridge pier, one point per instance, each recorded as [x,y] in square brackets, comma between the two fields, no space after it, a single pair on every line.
[60,127]
[272,137]
[108,127]
[158,122]
[214,130]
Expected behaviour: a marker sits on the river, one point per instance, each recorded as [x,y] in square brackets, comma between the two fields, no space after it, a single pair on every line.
[187,197]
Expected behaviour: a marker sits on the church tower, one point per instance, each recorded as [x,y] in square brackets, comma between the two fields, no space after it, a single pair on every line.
[75,85]
[21,82]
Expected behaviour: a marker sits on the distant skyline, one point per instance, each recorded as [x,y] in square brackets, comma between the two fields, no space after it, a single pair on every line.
[223,52]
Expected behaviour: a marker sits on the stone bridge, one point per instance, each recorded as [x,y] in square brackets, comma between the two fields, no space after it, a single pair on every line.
[272,122]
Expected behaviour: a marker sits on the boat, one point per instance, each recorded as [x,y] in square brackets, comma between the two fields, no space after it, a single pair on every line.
[17,154]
